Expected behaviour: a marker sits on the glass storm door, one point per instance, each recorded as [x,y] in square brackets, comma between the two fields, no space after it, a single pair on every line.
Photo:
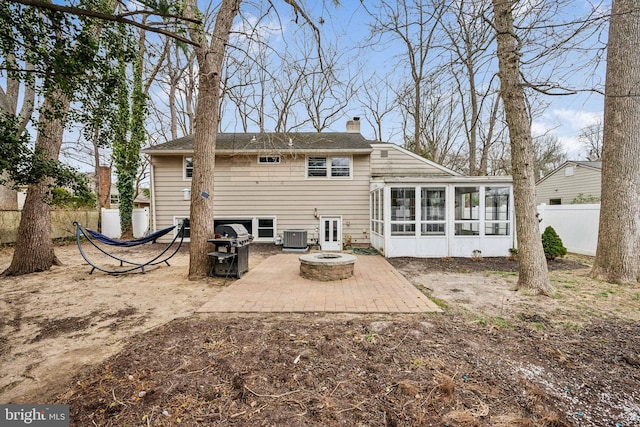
[331,233]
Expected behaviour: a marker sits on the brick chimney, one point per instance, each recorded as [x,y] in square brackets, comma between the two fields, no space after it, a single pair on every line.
[353,126]
[104,185]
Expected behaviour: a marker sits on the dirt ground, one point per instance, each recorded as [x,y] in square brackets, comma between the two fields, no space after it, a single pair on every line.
[128,350]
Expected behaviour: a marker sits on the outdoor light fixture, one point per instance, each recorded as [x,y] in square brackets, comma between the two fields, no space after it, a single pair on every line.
[186,194]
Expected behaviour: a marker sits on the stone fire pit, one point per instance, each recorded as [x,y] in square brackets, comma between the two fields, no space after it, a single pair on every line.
[326,267]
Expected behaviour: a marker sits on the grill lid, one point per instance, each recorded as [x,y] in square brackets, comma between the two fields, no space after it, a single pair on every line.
[234,231]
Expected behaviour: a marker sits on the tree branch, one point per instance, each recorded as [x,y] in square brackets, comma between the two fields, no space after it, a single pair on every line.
[103,16]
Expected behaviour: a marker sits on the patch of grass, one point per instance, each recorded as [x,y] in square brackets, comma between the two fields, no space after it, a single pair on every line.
[636,297]
[480,320]
[440,303]
[537,326]
[502,323]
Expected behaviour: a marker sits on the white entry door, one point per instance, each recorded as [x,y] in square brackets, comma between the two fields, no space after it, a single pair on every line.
[331,233]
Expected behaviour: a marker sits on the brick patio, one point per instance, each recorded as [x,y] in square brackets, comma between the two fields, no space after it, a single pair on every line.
[275,285]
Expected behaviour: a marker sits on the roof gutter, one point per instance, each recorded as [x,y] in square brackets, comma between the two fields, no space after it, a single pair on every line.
[227,152]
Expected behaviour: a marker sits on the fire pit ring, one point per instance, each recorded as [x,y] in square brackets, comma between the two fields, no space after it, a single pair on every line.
[327,266]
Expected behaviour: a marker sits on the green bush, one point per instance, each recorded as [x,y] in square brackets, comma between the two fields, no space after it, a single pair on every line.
[552,244]
[62,198]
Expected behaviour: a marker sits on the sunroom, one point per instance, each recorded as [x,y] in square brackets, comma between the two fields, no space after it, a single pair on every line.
[442,216]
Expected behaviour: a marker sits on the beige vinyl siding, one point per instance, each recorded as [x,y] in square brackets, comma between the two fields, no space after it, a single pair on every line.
[400,162]
[584,180]
[246,189]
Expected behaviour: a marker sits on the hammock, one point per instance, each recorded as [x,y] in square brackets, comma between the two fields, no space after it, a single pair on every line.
[93,237]
[128,243]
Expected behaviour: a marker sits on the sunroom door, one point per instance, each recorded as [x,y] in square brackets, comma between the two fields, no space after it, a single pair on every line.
[331,233]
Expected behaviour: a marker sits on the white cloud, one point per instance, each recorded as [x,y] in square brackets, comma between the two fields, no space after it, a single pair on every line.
[576,120]
[573,146]
[567,125]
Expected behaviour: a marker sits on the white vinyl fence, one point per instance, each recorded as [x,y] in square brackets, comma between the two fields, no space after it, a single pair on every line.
[577,225]
[111,222]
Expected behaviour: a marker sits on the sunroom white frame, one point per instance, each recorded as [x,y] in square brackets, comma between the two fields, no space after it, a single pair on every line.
[415,244]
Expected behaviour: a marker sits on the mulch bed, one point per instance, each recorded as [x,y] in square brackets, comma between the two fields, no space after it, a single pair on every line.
[376,371]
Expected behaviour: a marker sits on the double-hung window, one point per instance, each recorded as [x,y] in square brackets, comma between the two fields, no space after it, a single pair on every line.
[188,167]
[328,167]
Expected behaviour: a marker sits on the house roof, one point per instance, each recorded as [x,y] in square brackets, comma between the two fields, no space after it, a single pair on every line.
[232,143]
[594,165]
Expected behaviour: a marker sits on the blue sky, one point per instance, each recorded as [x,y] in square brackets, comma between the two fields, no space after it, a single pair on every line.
[563,116]
[347,25]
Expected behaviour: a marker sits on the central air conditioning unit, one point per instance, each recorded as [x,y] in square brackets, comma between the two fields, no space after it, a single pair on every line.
[294,240]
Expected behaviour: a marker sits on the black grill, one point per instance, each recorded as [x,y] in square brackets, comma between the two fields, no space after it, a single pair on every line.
[235,232]
[230,254]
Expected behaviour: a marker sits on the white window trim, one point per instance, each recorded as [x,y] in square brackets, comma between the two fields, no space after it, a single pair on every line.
[176,222]
[419,201]
[407,223]
[254,225]
[184,168]
[328,167]
[256,222]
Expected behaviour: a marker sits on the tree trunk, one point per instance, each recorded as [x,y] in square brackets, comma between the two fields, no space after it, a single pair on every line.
[34,247]
[533,273]
[617,258]
[210,60]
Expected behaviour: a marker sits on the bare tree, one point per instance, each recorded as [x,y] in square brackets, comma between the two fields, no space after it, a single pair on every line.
[210,53]
[619,233]
[439,137]
[533,266]
[591,139]
[414,23]
[378,101]
[549,154]
[327,90]
[470,41]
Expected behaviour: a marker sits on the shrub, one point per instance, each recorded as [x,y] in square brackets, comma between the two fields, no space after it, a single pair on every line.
[552,244]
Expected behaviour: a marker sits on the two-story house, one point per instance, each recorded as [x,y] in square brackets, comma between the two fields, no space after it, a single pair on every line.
[339,188]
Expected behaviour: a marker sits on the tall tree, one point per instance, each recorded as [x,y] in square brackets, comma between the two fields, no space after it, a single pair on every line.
[210,54]
[65,45]
[65,51]
[533,274]
[414,23]
[469,43]
[619,233]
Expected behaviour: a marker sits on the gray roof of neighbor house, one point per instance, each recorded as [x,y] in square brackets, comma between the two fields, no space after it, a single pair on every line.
[230,143]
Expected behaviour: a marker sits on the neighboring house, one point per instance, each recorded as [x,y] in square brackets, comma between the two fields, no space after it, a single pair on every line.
[568,182]
[341,189]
